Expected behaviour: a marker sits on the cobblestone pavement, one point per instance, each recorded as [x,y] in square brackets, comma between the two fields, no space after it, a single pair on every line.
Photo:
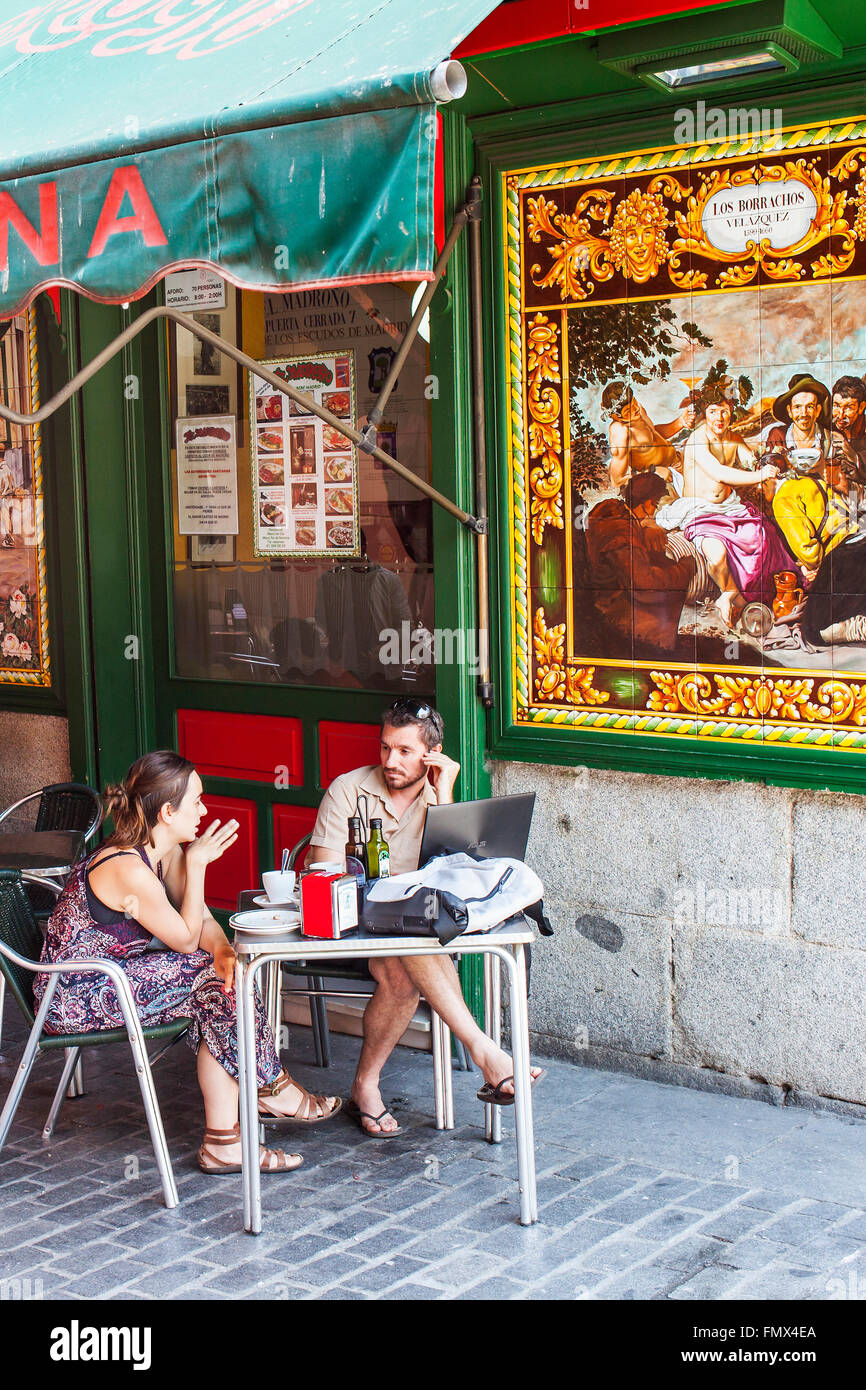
[646,1191]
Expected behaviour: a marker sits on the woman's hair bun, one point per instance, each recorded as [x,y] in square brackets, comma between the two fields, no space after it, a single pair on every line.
[134,805]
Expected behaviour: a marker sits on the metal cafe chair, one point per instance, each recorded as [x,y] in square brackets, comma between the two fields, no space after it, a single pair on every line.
[20,945]
[317,992]
[62,806]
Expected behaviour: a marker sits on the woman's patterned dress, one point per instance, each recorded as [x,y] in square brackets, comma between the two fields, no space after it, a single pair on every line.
[166,985]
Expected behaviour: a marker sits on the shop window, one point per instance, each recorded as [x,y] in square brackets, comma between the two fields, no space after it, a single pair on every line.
[321,570]
[24,654]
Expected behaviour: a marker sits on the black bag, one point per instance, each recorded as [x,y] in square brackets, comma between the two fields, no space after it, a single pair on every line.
[428,912]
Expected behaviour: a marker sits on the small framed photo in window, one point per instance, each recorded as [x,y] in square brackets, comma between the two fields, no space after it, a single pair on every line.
[211,550]
[203,380]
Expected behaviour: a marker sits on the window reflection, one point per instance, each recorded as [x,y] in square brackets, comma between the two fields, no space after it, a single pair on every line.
[363,622]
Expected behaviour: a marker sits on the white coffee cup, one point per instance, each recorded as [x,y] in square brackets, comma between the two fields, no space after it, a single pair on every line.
[279,885]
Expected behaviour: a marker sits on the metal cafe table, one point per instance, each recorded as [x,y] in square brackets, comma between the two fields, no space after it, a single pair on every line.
[41,853]
[505,944]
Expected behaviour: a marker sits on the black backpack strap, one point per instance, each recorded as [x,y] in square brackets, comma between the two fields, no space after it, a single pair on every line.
[535,912]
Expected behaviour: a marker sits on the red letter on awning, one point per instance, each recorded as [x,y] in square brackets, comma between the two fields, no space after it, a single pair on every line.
[143,219]
[44,244]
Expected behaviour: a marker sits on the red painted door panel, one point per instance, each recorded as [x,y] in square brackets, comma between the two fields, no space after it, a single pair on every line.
[239,866]
[256,747]
[343,747]
[291,823]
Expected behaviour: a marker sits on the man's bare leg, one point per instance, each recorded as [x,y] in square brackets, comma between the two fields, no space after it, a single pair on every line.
[437,979]
[730,599]
[386,1018]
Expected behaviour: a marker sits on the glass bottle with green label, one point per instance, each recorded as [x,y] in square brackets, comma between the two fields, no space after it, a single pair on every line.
[378,854]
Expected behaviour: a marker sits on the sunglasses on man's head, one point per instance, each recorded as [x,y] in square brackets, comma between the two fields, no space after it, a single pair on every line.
[416,708]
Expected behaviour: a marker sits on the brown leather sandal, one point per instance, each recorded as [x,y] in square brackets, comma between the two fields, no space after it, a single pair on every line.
[270,1160]
[311,1109]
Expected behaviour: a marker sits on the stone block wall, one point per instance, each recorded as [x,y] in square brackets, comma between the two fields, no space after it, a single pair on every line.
[35,753]
[707,932]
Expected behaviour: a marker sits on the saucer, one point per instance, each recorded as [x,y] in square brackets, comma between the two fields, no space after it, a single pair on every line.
[264,901]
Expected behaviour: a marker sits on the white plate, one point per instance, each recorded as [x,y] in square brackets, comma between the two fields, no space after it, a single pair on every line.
[264,901]
[275,921]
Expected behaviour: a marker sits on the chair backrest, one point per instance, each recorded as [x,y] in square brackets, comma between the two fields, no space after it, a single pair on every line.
[19,929]
[296,853]
[69,806]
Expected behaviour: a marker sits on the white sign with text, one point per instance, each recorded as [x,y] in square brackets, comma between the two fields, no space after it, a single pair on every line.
[780,213]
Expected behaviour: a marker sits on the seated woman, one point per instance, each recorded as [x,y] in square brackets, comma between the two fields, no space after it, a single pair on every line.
[140,884]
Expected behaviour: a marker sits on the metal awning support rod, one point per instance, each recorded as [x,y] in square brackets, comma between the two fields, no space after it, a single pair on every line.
[376,415]
[485,686]
[310,406]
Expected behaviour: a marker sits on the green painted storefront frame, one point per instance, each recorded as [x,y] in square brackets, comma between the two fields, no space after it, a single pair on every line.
[114,710]
[505,140]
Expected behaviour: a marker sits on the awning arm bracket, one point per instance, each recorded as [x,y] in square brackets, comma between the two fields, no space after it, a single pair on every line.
[310,407]
[377,414]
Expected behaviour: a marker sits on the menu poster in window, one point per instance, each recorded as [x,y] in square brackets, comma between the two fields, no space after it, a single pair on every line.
[305,481]
[207,475]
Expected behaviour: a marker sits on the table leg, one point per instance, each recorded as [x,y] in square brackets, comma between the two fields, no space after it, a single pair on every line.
[245,982]
[516,963]
[436,1044]
[493,1029]
[448,1076]
[273,981]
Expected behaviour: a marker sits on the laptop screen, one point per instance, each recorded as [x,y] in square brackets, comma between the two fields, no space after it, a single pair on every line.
[497,827]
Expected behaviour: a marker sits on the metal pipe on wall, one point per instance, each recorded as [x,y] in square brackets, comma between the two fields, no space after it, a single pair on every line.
[485,688]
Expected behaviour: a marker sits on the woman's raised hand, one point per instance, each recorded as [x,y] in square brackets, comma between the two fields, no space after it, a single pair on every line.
[213,842]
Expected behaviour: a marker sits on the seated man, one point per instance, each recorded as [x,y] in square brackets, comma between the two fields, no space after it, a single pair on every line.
[637,587]
[398,791]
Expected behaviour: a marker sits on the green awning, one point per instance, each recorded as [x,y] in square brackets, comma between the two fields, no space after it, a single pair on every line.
[279,142]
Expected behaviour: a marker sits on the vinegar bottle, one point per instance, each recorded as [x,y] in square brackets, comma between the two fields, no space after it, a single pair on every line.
[378,854]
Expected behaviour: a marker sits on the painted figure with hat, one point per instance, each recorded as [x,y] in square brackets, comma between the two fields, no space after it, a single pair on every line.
[849,424]
[803,412]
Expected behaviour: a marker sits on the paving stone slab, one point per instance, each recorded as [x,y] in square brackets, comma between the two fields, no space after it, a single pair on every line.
[327,1270]
[709,1284]
[691,1253]
[243,1277]
[376,1278]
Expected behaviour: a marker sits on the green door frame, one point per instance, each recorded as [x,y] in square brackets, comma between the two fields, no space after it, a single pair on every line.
[510,139]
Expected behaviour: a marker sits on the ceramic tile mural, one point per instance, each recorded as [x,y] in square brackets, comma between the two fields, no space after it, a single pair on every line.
[687,431]
[23,609]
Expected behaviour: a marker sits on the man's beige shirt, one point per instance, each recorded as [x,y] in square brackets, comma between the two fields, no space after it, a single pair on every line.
[403,833]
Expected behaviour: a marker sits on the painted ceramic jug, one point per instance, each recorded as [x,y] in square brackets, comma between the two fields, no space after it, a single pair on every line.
[788,594]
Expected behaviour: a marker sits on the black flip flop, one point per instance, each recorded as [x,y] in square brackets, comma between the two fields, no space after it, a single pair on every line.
[359,1116]
[494,1095]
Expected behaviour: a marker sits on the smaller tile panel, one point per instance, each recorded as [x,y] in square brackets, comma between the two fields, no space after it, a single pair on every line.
[255,747]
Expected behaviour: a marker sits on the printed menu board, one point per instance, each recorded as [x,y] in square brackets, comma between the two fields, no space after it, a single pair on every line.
[305,481]
[207,476]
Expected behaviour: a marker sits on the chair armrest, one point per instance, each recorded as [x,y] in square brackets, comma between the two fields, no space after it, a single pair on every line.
[16,805]
[87,965]
[51,884]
